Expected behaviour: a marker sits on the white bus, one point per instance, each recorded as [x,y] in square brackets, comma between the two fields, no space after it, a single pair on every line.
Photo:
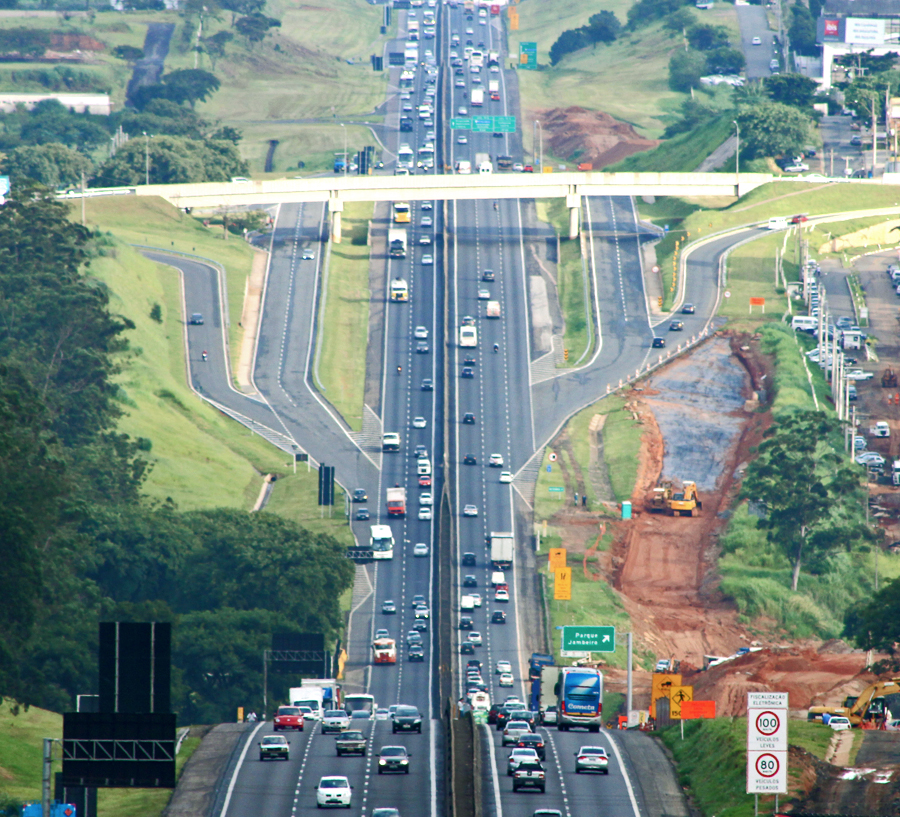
[468,336]
[382,542]
[359,703]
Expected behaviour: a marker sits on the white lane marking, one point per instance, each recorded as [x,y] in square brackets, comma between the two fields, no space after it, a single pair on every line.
[237,768]
[625,775]
[562,779]
[303,769]
[367,778]
[494,774]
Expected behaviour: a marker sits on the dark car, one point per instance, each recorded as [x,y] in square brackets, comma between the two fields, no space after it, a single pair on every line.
[467,372]
[468,559]
[427,384]
[469,459]
[498,617]
[420,452]
[466,648]
[676,326]
[658,343]
[469,418]
[466,623]
[417,600]
[470,581]
[416,652]
[360,495]
[407,719]
[421,348]
[393,759]
[469,361]
[474,663]
[487,275]
[497,135]
[420,624]
[535,742]
[492,712]
[514,712]
[362,513]
[196,319]
[687,309]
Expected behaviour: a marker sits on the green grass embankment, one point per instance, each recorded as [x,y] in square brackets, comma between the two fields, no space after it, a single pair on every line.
[680,154]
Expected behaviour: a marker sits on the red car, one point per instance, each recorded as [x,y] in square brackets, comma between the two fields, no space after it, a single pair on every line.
[289,717]
[425,481]
[799,219]
[528,169]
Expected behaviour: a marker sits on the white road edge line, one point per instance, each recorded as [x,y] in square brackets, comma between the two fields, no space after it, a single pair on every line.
[237,769]
[494,774]
[615,748]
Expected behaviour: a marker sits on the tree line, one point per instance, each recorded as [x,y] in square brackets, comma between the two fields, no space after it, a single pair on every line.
[78,542]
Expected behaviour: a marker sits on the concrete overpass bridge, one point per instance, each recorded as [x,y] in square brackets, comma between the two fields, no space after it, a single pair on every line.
[335,190]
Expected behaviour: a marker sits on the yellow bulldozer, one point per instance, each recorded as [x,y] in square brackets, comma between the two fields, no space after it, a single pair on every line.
[867,710]
[667,498]
[658,501]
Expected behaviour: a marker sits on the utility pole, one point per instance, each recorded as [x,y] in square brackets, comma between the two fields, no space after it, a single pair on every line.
[737,150]
[831,172]
[874,138]
[46,774]
[146,158]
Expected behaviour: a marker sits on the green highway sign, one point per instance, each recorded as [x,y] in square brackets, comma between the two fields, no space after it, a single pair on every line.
[505,124]
[589,638]
[460,123]
[488,124]
[553,489]
[483,124]
[528,56]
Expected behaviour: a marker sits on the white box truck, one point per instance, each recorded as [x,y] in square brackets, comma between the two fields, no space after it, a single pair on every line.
[502,549]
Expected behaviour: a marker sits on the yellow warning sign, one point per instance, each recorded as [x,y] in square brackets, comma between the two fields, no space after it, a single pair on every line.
[562,586]
[557,558]
[677,696]
[661,686]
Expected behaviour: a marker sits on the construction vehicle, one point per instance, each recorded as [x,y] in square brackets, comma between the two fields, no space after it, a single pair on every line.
[658,501]
[867,710]
[888,379]
[685,502]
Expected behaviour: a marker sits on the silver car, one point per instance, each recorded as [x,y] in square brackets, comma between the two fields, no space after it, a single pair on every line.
[335,720]
[592,759]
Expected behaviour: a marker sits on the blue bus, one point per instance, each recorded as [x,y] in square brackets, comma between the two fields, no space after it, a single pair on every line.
[579,691]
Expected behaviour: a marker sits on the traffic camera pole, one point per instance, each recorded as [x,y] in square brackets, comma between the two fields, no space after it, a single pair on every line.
[45,777]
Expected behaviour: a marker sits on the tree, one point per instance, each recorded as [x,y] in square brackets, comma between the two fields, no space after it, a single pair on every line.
[706,37]
[255,26]
[570,40]
[190,85]
[802,31]
[52,165]
[680,20]
[24,42]
[129,53]
[791,89]
[685,70]
[162,116]
[603,27]
[644,12]
[215,45]
[874,624]
[771,129]
[863,93]
[242,7]
[725,61]
[801,480]
[49,121]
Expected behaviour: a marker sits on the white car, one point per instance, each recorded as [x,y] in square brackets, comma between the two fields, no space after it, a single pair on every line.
[462,110]
[335,720]
[506,476]
[333,791]
[426,498]
[474,637]
[425,240]
[496,461]
[462,139]
[468,510]
[859,374]
[839,724]
[421,611]
[476,599]
[309,714]
[484,294]
[506,680]
[427,260]
[756,41]
[419,422]
[501,595]
[502,667]
[421,333]
[870,458]
[520,755]
[420,549]
[425,513]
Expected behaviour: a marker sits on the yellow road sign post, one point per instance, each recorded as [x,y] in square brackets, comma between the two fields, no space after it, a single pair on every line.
[557,558]
[562,585]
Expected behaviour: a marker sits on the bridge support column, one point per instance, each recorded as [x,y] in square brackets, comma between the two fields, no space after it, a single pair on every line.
[573,202]
[335,208]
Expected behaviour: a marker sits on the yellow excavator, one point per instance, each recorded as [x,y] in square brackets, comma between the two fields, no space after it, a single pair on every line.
[867,710]
[685,502]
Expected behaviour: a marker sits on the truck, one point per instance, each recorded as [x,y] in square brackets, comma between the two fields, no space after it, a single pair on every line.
[384,651]
[493,58]
[476,98]
[494,89]
[493,309]
[397,242]
[543,688]
[502,547]
[463,166]
[483,162]
[390,441]
[396,501]
[399,290]
[536,662]
[318,694]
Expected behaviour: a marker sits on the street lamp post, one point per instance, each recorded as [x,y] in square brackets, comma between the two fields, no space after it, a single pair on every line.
[146,158]
[344,129]
[541,154]
[737,149]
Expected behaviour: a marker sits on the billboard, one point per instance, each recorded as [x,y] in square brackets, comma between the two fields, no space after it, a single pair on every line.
[831,29]
[859,31]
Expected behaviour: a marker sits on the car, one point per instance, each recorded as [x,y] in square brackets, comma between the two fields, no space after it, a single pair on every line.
[466,623]
[476,599]
[308,255]
[462,110]
[381,632]
[426,498]
[416,652]
[393,759]
[413,637]
[528,169]
[474,637]
[362,514]
[360,495]
[469,459]
[196,319]
[333,791]
[506,476]
[418,600]
[498,617]
[518,756]
[541,812]
[468,418]
[799,219]
[427,205]
[470,510]
[496,461]
[425,514]
[350,743]
[870,458]
[427,260]
[513,730]
[462,139]
[420,452]
[426,221]
[421,611]
[425,481]
[470,360]
[335,720]
[274,747]
[427,384]
[421,333]
[487,275]
[676,326]
[591,759]
[856,140]
[688,309]
[425,240]
[419,422]
[466,648]
[529,776]
[288,717]
[663,665]
[506,680]
[470,581]
[420,549]
[484,294]
[502,666]
[658,343]
[468,559]
[550,716]
[756,41]
[535,742]
[389,607]
[798,167]
[501,595]
[467,320]
[406,719]
[420,625]
[839,723]
[381,714]
[468,372]
[859,374]
[308,714]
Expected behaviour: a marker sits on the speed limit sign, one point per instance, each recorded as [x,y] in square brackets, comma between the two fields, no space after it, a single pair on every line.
[767,743]
[766,772]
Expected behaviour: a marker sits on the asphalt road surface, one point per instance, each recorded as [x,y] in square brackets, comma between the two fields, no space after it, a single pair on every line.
[754,24]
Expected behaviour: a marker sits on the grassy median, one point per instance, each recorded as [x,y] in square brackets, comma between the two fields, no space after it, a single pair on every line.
[344,317]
